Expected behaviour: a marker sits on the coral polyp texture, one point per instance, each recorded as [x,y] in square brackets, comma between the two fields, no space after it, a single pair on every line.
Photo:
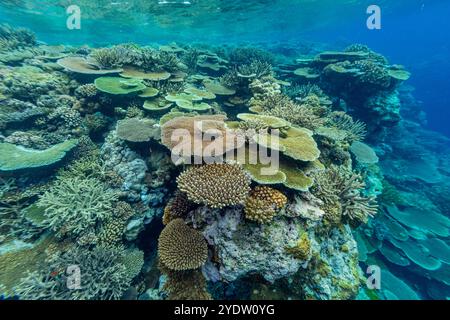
[263,203]
[217,185]
[181,248]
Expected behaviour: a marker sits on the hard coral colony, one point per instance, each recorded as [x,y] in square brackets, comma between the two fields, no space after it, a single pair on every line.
[86,174]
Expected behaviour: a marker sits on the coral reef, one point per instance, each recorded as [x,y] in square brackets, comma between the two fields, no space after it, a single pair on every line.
[216,185]
[181,247]
[341,192]
[74,206]
[129,128]
[96,283]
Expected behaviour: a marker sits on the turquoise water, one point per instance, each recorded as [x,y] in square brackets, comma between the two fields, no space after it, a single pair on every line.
[88,123]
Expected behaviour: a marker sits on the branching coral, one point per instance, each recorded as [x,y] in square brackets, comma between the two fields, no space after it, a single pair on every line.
[356,130]
[373,74]
[341,191]
[303,91]
[76,205]
[181,248]
[216,185]
[104,276]
[11,38]
[177,207]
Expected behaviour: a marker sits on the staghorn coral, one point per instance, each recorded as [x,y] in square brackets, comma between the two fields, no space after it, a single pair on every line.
[217,185]
[104,276]
[181,248]
[76,205]
[356,130]
[177,207]
[341,191]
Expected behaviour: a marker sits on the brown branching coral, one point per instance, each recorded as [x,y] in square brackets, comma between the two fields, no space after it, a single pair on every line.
[263,204]
[341,191]
[177,207]
[217,185]
[184,285]
[182,248]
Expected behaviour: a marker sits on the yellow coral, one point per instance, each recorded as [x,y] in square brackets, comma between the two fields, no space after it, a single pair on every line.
[181,247]
[270,196]
[302,249]
[263,204]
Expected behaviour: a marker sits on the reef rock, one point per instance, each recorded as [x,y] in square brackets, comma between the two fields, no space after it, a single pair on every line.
[250,248]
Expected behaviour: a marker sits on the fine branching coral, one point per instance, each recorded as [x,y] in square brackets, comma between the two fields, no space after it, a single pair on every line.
[341,191]
[181,248]
[76,205]
[216,185]
[104,276]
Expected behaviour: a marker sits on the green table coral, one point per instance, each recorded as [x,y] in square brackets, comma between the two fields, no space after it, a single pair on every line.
[117,85]
[14,158]
[296,143]
[280,171]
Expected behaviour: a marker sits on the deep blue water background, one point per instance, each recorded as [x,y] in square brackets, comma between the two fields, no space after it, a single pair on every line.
[419,38]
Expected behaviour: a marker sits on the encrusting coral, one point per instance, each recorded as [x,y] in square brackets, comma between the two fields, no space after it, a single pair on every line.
[217,185]
[180,247]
